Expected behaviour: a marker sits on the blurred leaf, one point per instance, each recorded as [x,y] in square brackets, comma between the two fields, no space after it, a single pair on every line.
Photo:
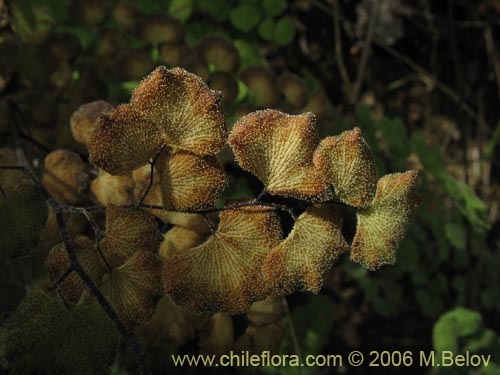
[485,341]
[248,53]
[85,34]
[245,17]
[266,29]
[273,7]
[181,9]
[312,333]
[43,337]
[469,204]
[455,233]
[284,31]
[395,135]
[431,158]
[445,335]
[217,9]
[22,216]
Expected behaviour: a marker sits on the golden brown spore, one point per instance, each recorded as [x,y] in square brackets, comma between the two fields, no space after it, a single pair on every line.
[348,165]
[190,115]
[261,85]
[301,262]
[216,50]
[82,121]
[156,29]
[9,179]
[189,181]
[224,273]
[57,263]
[109,189]
[178,239]
[293,88]
[127,231]
[65,176]
[133,287]
[381,226]
[278,149]
[123,140]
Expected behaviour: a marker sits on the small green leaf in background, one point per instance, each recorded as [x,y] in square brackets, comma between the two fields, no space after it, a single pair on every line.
[181,9]
[284,31]
[22,215]
[273,7]
[455,233]
[266,29]
[217,9]
[395,136]
[245,17]
[313,323]
[43,337]
[248,53]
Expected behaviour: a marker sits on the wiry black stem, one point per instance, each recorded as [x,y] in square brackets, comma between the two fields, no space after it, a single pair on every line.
[151,175]
[10,167]
[61,278]
[76,266]
[27,138]
[97,237]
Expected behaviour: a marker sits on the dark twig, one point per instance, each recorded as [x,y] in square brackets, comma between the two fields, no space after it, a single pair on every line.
[17,167]
[227,208]
[365,53]
[61,278]
[338,48]
[68,245]
[29,139]
[151,175]
[441,86]
[77,267]
[97,237]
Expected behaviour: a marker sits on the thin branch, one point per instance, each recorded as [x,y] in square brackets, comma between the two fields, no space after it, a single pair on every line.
[293,334]
[97,237]
[209,223]
[29,139]
[77,267]
[61,278]
[68,245]
[441,86]
[251,203]
[365,53]
[151,175]
[493,55]
[16,167]
[338,48]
